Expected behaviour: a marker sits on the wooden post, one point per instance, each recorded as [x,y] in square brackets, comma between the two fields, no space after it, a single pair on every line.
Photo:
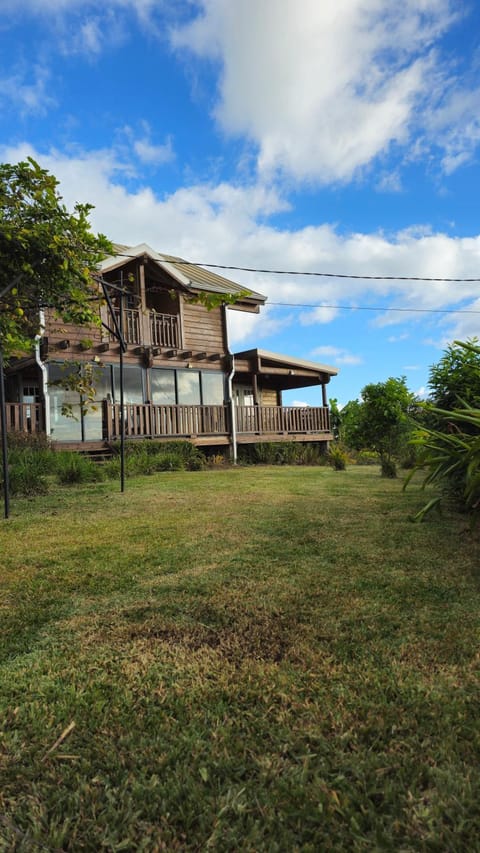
[3,427]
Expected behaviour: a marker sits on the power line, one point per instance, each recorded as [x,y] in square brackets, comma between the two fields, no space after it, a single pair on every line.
[310,273]
[372,308]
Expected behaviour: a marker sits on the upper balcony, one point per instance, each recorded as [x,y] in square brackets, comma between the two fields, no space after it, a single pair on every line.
[149,328]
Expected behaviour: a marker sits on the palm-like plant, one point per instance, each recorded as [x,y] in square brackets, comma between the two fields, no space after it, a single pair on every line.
[452,454]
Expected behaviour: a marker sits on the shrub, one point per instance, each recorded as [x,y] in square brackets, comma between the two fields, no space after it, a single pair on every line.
[75,468]
[388,467]
[26,476]
[337,458]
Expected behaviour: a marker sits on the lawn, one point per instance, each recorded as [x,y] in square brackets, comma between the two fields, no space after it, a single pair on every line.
[254,659]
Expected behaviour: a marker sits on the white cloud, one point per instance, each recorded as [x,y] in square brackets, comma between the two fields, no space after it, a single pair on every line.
[337,355]
[146,150]
[320,88]
[29,96]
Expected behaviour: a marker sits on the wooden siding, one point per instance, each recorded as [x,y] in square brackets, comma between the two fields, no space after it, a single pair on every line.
[268,396]
[203,329]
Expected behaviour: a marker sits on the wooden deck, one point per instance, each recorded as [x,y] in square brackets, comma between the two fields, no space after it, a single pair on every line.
[200,424]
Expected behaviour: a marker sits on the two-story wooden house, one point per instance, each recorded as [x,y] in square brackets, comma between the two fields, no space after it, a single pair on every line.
[180,379]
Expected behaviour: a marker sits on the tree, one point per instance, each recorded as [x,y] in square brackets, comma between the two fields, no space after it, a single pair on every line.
[449,446]
[454,382]
[381,421]
[47,256]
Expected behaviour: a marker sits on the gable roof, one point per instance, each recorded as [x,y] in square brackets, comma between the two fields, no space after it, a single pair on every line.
[189,276]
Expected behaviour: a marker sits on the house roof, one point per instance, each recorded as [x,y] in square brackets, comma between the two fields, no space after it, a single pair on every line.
[285,361]
[190,276]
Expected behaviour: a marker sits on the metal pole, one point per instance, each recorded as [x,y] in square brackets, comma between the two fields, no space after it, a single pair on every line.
[3,428]
[122,412]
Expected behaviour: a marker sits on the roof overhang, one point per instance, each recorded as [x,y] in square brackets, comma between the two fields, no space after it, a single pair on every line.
[284,371]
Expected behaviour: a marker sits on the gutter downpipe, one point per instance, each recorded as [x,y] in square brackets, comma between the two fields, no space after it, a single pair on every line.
[43,369]
[233,417]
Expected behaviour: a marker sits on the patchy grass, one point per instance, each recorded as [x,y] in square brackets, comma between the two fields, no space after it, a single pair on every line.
[253,659]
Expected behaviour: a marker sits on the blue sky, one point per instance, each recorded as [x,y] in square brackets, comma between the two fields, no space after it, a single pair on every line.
[340,136]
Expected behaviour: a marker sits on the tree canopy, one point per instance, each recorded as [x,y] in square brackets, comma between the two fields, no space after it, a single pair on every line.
[47,255]
[380,422]
[455,379]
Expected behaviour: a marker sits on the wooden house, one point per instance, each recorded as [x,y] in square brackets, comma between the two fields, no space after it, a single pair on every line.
[180,378]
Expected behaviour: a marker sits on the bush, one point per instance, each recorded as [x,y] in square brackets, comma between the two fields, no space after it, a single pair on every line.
[338,458]
[388,468]
[26,476]
[365,457]
[75,468]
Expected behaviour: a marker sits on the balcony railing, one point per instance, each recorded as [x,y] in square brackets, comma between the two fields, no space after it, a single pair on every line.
[25,417]
[279,420]
[164,330]
[131,325]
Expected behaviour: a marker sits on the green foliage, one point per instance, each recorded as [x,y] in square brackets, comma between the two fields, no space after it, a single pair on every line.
[281,453]
[452,457]
[450,450]
[337,457]
[456,378]
[47,255]
[147,456]
[27,473]
[335,418]
[75,468]
[381,422]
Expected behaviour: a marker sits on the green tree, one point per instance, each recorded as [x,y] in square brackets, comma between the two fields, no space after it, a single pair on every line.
[381,421]
[448,441]
[47,255]
[456,377]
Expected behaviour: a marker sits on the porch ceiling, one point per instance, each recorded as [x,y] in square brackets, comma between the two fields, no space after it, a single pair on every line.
[282,371]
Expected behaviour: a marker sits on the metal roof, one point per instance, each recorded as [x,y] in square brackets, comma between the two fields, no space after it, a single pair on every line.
[189,275]
[288,361]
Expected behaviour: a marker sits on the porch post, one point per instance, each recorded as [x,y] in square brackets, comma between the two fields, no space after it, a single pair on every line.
[3,426]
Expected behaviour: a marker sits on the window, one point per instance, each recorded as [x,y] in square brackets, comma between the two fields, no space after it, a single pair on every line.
[213,389]
[163,387]
[132,384]
[188,387]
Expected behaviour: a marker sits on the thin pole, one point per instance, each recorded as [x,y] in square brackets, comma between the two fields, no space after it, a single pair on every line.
[122,412]
[3,428]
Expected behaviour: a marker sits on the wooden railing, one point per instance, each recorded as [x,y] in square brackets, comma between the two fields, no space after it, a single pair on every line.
[164,330]
[151,421]
[282,419]
[25,417]
[131,325]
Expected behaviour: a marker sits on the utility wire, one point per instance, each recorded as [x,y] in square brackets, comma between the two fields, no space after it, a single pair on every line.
[371,308]
[303,272]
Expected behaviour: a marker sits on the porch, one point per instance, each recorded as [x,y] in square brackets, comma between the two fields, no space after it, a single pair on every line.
[201,424]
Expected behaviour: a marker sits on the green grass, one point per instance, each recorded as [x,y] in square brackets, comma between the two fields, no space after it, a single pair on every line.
[254,659]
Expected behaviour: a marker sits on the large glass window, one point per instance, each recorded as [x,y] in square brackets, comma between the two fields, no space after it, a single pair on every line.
[188,387]
[64,427]
[163,387]
[132,384]
[213,389]
[93,419]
